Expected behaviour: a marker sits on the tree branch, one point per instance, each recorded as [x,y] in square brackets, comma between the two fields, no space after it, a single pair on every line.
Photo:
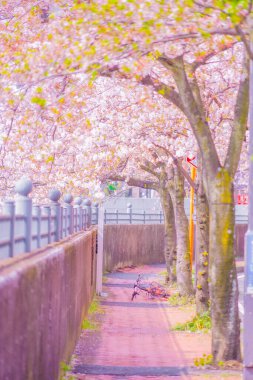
[168,92]
[210,55]
[240,121]
[195,115]
[149,170]
[178,164]
[133,181]
[244,40]
[184,173]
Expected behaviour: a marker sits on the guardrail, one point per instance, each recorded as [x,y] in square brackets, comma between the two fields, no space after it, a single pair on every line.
[25,227]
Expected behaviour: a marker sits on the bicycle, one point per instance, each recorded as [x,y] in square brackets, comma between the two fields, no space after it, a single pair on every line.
[154,289]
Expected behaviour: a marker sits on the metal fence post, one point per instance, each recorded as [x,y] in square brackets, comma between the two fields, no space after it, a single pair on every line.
[68,200]
[24,207]
[129,211]
[36,211]
[160,217]
[117,216]
[144,217]
[54,196]
[9,209]
[78,208]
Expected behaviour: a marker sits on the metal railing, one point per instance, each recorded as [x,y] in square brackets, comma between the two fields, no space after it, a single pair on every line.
[131,217]
[25,227]
[144,217]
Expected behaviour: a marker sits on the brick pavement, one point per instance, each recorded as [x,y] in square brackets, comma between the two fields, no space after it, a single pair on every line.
[135,341]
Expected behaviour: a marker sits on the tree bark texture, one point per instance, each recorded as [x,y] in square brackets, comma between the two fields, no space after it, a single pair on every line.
[223,284]
[170,249]
[218,189]
[202,250]
[184,275]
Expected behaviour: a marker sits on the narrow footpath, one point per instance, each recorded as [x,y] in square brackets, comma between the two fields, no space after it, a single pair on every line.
[134,339]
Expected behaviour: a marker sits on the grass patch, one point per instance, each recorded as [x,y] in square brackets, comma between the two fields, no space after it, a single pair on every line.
[64,369]
[203,361]
[177,300]
[200,323]
[163,273]
[207,361]
[172,285]
[95,307]
[90,323]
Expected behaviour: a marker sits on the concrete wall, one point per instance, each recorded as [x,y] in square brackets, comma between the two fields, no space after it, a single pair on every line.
[44,296]
[133,245]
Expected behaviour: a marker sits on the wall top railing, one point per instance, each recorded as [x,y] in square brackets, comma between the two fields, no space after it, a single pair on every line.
[25,226]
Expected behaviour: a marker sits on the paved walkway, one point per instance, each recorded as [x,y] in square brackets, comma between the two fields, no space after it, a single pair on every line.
[135,341]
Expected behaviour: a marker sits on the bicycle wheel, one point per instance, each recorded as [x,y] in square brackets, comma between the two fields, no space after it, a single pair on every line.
[157,290]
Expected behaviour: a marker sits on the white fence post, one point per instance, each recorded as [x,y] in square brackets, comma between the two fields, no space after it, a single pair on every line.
[23,206]
[68,200]
[47,212]
[87,207]
[96,207]
[99,280]
[54,196]
[78,211]
[129,211]
[9,209]
[36,211]
[84,215]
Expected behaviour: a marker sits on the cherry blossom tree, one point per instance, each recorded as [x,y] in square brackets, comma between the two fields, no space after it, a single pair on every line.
[53,52]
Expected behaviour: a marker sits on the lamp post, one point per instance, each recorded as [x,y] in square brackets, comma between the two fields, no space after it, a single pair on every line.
[248,289]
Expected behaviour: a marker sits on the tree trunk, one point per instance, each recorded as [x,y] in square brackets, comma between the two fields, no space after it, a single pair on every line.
[202,249]
[184,276]
[170,251]
[223,285]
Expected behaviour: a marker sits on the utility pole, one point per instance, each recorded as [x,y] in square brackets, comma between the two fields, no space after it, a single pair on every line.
[191,222]
[248,289]
[193,161]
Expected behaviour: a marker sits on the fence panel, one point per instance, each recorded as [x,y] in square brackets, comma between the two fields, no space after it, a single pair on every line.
[25,227]
[6,237]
